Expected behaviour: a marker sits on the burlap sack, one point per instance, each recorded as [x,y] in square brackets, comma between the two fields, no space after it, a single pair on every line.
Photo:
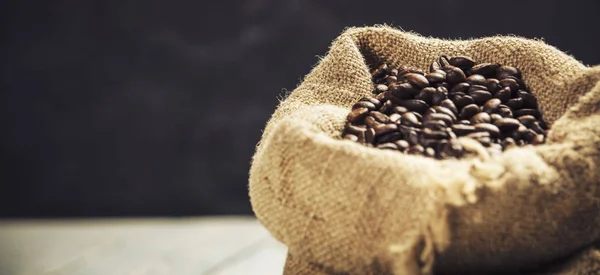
[343,208]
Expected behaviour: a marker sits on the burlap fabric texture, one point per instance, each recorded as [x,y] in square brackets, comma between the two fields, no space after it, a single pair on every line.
[344,208]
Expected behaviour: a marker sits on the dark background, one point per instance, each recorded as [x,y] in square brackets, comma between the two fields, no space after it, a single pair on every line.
[121,107]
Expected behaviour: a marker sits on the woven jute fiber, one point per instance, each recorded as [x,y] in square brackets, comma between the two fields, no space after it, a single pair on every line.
[344,208]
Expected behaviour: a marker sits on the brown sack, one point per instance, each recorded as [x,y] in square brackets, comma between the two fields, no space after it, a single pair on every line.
[344,208]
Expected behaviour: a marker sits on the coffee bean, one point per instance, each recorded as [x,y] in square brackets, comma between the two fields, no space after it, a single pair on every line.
[351,137]
[371,122]
[510,83]
[429,152]
[506,71]
[491,105]
[495,117]
[492,84]
[384,129]
[435,124]
[448,104]
[417,80]
[462,87]
[476,79]
[461,130]
[515,103]
[444,110]
[507,124]
[415,105]
[394,72]
[452,149]
[487,127]
[404,90]
[504,111]
[532,112]
[370,135]
[485,69]
[454,74]
[373,100]
[387,146]
[440,116]
[388,137]
[528,135]
[387,107]
[415,150]
[399,110]
[391,79]
[402,145]
[537,128]
[438,96]
[475,87]
[503,94]
[434,134]
[435,78]
[409,119]
[529,101]
[508,143]
[355,129]
[481,117]
[463,101]
[381,71]
[357,115]
[444,62]
[380,88]
[380,96]
[395,118]
[412,137]
[363,104]
[380,117]
[479,134]
[463,62]
[527,120]
[538,139]
[469,111]
[434,66]
[481,97]
[465,122]
[426,94]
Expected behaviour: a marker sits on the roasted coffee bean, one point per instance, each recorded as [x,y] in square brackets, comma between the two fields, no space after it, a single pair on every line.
[357,115]
[506,71]
[454,74]
[434,66]
[380,117]
[415,105]
[529,135]
[477,79]
[387,107]
[465,122]
[435,124]
[429,152]
[415,150]
[404,90]
[355,129]
[402,145]
[481,117]
[380,88]
[508,143]
[469,111]
[463,62]
[487,127]
[515,103]
[443,60]
[462,101]
[462,130]
[387,146]
[448,104]
[434,134]
[537,128]
[395,118]
[380,96]
[371,122]
[388,137]
[417,80]
[495,117]
[452,149]
[504,111]
[503,94]
[538,139]
[507,124]
[394,72]
[529,101]
[391,79]
[440,116]
[438,96]
[399,110]
[426,94]
[527,120]
[509,83]
[460,88]
[532,112]
[491,105]
[485,69]
[492,84]
[412,137]
[351,137]
[435,78]
[363,104]
[385,128]
[381,71]
[373,100]
[410,119]
[444,110]
[481,97]
[476,87]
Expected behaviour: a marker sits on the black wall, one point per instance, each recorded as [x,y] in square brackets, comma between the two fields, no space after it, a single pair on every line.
[122,107]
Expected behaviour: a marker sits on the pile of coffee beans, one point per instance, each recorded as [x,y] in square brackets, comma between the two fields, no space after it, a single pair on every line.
[424,113]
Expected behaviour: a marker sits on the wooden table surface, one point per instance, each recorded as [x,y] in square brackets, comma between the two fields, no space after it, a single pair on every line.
[208,246]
